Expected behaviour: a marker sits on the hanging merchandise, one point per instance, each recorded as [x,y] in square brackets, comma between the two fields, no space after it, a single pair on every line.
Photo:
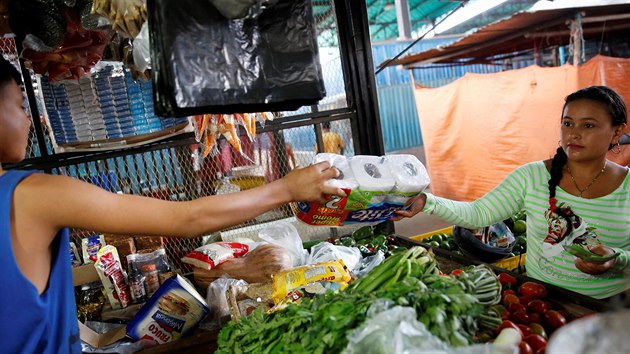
[55,37]
[210,127]
[126,16]
[204,62]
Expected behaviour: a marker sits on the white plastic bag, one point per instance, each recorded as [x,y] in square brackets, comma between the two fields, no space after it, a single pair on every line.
[286,235]
[326,251]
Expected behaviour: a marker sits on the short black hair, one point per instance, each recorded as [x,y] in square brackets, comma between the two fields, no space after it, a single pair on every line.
[8,72]
[326,125]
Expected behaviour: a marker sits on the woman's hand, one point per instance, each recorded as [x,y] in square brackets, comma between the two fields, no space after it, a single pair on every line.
[595,268]
[310,183]
[417,204]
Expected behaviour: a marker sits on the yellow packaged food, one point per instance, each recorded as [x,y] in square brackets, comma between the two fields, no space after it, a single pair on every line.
[331,271]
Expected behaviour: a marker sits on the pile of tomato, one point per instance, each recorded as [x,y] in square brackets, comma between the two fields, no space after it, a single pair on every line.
[526,309]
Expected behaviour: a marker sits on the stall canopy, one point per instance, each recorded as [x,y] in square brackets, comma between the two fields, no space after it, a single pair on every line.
[527,30]
[481,127]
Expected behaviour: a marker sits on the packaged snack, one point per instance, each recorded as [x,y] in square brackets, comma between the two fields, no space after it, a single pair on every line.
[110,271]
[331,271]
[376,187]
[90,301]
[173,311]
[211,255]
[243,299]
[151,269]
[90,246]
[74,255]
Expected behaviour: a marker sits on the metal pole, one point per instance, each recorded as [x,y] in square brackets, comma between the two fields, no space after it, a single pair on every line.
[402,17]
[32,103]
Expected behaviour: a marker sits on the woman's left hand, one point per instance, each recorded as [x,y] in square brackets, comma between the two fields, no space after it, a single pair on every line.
[595,268]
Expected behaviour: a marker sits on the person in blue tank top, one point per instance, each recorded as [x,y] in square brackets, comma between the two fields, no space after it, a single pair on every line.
[37,307]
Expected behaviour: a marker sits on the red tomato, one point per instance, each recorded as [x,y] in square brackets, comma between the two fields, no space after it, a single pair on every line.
[532,290]
[520,317]
[508,291]
[554,319]
[525,329]
[524,299]
[505,315]
[537,328]
[534,317]
[538,306]
[536,341]
[508,324]
[506,280]
[513,307]
[524,348]
[510,299]
[456,272]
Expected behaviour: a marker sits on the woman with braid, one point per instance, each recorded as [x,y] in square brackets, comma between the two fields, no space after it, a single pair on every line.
[577,198]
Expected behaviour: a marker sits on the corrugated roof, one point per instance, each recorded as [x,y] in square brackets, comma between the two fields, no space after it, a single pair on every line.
[524,31]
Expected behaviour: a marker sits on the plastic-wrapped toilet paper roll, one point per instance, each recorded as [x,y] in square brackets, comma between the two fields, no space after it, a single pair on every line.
[410,176]
[346,177]
[373,178]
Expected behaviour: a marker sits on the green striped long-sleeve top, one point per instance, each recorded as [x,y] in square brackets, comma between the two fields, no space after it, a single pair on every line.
[527,188]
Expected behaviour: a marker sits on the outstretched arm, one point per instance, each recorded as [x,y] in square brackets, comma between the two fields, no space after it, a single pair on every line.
[503,201]
[57,202]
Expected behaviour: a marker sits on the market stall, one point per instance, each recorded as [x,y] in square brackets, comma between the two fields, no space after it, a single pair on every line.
[272,284]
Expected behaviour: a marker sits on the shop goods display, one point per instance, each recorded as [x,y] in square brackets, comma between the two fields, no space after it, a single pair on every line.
[376,186]
[108,104]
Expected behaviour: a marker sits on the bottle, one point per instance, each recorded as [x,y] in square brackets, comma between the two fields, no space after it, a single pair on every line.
[151,278]
[136,282]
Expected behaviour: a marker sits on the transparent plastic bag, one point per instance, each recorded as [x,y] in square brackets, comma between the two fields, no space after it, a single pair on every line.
[368,263]
[326,251]
[397,330]
[286,235]
[219,310]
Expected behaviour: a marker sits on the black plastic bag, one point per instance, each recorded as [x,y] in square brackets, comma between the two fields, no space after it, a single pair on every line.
[206,63]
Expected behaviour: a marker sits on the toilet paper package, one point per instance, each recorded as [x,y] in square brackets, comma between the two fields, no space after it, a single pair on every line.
[376,187]
[345,180]
[410,176]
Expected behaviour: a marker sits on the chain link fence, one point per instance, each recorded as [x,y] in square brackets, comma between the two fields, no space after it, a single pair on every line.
[177,170]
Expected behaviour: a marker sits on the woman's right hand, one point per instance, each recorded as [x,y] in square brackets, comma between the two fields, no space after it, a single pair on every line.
[417,204]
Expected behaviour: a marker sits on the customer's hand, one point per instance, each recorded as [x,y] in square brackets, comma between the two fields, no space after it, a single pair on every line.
[310,183]
[417,204]
[595,268]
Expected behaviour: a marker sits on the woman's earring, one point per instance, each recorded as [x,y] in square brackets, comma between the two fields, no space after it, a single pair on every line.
[617,148]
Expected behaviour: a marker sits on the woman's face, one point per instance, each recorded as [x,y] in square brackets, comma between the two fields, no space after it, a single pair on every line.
[14,124]
[587,131]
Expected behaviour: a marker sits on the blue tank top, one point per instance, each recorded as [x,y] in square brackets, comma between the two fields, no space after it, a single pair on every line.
[29,322]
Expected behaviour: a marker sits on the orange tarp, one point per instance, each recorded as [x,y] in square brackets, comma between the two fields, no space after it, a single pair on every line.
[481,127]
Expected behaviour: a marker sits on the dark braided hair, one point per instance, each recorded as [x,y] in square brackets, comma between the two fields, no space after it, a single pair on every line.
[617,110]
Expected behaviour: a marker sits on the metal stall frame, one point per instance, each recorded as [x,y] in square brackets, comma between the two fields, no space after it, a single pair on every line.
[361,96]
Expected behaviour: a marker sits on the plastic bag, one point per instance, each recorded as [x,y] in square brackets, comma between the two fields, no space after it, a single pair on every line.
[396,330]
[326,251]
[142,49]
[217,300]
[368,263]
[286,235]
[233,8]
[204,62]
